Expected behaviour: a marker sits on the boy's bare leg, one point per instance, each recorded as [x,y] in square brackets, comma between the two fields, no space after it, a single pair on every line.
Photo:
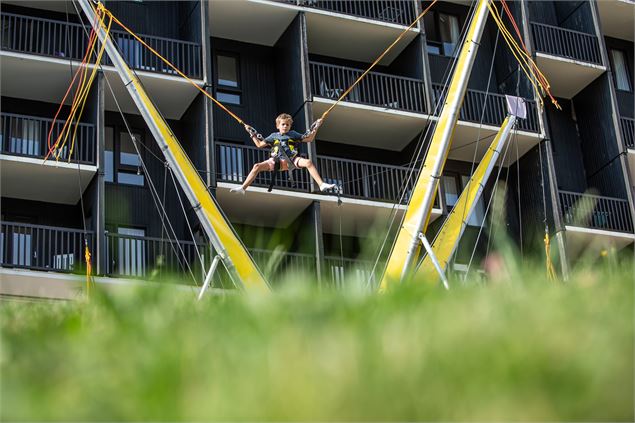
[308,164]
[258,167]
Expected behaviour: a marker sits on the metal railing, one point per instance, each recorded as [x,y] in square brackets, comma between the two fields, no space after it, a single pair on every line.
[495,109]
[277,264]
[22,135]
[399,12]
[627,126]
[234,162]
[367,180]
[376,89]
[46,37]
[341,270]
[42,247]
[154,258]
[597,212]
[358,179]
[567,43]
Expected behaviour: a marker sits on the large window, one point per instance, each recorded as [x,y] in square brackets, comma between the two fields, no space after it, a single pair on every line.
[132,251]
[449,32]
[443,33]
[228,79]
[453,186]
[620,69]
[25,137]
[121,161]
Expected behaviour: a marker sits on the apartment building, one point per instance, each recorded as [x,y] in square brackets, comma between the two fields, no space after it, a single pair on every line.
[571,171]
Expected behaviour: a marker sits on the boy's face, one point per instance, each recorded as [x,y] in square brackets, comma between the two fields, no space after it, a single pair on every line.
[283,125]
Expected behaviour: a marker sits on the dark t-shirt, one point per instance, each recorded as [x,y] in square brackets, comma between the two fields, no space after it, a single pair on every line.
[285,142]
[292,136]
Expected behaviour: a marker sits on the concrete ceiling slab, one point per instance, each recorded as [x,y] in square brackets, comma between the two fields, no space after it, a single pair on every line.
[52,182]
[617,18]
[369,126]
[567,77]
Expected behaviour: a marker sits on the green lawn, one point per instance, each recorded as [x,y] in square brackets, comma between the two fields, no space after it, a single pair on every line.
[524,349]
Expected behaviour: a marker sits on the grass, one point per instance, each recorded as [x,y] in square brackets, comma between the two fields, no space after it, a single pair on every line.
[520,349]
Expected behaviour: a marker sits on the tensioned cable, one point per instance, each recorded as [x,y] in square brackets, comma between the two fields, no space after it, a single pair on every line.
[187,220]
[87,255]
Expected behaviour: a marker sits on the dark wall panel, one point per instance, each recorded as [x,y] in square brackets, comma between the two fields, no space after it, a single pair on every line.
[288,74]
[567,151]
[258,91]
[594,112]
[625,99]
[170,19]
[40,213]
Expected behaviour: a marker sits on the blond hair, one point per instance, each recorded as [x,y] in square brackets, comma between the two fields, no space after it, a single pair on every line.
[284,116]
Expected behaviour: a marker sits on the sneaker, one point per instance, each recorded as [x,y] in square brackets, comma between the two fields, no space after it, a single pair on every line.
[238,190]
[324,186]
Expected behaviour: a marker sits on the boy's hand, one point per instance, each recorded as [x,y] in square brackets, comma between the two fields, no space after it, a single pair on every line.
[316,125]
[252,132]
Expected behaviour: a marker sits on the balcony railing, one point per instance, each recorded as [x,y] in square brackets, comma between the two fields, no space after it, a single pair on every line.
[495,109]
[41,247]
[566,43]
[22,135]
[367,180]
[277,265]
[152,258]
[46,37]
[399,12]
[341,270]
[376,89]
[358,179]
[627,125]
[594,211]
[234,162]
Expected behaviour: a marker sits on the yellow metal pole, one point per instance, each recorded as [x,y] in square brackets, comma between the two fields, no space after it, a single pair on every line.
[407,245]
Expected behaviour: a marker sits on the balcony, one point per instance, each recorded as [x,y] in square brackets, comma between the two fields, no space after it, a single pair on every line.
[37,260]
[627,126]
[23,143]
[391,11]
[569,59]
[492,108]
[151,258]
[371,190]
[382,111]
[47,248]
[617,18]
[596,222]
[38,51]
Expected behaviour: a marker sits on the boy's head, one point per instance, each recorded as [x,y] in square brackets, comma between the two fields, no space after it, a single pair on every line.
[284,122]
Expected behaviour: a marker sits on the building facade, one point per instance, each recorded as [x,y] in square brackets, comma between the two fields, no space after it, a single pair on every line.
[570,172]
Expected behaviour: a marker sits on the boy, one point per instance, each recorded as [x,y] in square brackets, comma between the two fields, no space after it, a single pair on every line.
[283,149]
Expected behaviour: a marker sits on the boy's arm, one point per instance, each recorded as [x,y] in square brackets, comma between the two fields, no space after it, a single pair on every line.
[309,135]
[255,136]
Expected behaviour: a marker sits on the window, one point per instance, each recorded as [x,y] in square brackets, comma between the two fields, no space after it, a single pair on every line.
[620,69]
[129,170]
[451,189]
[453,185]
[228,81]
[21,249]
[448,32]
[132,251]
[476,218]
[109,155]
[231,163]
[121,162]
[25,137]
